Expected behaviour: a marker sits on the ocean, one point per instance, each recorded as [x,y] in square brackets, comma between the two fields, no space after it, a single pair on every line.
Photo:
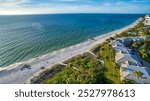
[23,37]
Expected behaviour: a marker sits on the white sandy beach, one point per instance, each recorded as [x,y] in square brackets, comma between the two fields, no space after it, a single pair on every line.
[14,75]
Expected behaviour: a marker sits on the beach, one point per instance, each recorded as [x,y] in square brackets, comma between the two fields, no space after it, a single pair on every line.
[16,74]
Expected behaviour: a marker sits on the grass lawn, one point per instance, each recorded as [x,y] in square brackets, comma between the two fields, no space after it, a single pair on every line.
[112,71]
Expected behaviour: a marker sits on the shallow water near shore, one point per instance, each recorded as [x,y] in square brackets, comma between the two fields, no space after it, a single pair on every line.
[28,36]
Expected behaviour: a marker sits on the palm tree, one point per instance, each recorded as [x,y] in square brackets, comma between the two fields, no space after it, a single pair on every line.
[138,74]
[144,53]
[134,45]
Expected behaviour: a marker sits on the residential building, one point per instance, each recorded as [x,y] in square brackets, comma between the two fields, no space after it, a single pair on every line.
[129,63]
[147,20]
[129,73]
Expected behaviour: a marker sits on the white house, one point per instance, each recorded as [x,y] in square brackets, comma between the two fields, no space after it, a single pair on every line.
[128,73]
[121,50]
[125,40]
[147,20]
[129,63]
[116,44]
[126,60]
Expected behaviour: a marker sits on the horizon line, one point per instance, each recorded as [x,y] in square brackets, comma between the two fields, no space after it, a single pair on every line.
[69,13]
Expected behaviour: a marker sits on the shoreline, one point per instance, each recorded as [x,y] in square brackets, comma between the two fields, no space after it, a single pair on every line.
[15,75]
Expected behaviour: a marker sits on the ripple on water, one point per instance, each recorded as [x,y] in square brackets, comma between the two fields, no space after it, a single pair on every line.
[25,37]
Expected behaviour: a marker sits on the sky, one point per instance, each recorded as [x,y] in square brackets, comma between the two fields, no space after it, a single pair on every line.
[8,7]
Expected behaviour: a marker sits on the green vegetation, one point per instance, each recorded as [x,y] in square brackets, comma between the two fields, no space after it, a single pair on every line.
[137,74]
[128,34]
[49,73]
[144,50]
[147,59]
[126,81]
[83,69]
[143,53]
[86,69]
[107,54]
[135,45]
[138,30]
[146,33]
[96,48]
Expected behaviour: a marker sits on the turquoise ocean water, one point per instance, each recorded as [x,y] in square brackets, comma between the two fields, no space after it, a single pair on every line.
[26,36]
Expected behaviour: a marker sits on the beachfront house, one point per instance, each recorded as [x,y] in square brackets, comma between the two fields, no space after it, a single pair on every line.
[129,40]
[125,41]
[129,63]
[115,43]
[121,40]
[121,50]
[147,20]
[136,39]
[126,60]
[129,73]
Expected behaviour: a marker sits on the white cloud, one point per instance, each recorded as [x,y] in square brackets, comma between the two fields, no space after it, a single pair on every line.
[28,7]
[11,3]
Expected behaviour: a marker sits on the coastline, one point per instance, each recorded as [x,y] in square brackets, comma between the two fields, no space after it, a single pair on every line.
[13,73]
